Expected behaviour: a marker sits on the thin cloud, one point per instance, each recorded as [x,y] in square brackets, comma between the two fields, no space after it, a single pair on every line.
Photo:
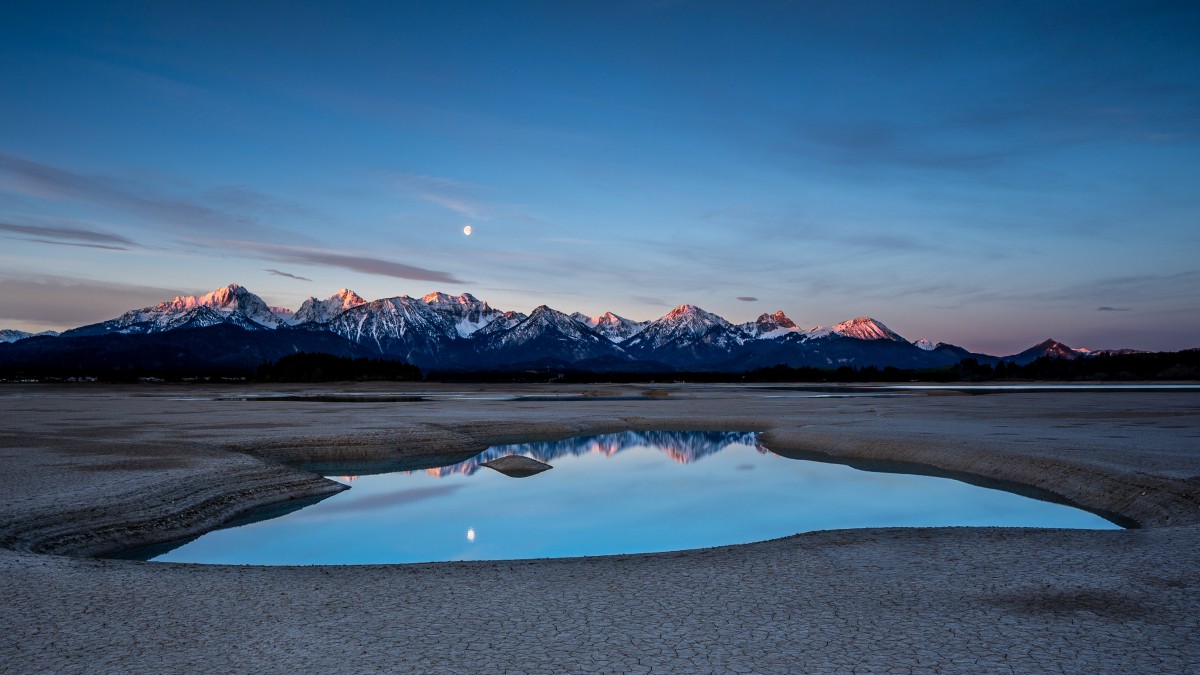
[444,192]
[55,234]
[52,182]
[364,264]
[1114,309]
[650,300]
[68,243]
[287,274]
[747,298]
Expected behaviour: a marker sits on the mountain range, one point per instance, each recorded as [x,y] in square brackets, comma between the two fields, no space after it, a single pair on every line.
[234,328]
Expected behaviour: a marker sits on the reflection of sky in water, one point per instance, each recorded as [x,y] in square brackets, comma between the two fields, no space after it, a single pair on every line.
[619,499]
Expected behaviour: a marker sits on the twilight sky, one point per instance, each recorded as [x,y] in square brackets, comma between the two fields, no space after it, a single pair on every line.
[986,174]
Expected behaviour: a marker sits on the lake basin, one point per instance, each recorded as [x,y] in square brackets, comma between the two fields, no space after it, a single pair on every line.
[632,492]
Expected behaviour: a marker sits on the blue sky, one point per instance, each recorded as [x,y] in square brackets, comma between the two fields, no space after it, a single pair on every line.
[987,174]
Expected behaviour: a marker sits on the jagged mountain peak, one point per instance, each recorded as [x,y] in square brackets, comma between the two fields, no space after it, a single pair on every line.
[684,311]
[770,326]
[10,335]
[547,334]
[546,316]
[317,311]
[612,326]
[348,297]
[1048,347]
[440,298]
[693,318]
[231,304]
[691,332]
[778,318]
[925,344]
[866,328]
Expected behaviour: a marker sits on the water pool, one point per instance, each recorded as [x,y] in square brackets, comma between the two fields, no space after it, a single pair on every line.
[633,492]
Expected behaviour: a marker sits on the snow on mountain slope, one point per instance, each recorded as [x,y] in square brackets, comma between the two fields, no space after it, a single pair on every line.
[322,311]
[1049,347]
[770,326]
[461,332]
[468,313]
[231,304]
[232,299]
[10,335]
[548,333]
[616,328]
[392,319]
[686,325]
[866,328]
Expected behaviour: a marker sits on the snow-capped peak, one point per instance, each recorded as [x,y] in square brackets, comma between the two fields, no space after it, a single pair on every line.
[439,298]
[348,297]
[323,311]
[924,344]
[866,328]
[770,326]
[544,319]
[692,319]
[685,327]
[612,326]
[467,312]
[10,335]
[230,304]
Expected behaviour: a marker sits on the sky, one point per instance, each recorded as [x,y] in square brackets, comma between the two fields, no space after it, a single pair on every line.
[984,174]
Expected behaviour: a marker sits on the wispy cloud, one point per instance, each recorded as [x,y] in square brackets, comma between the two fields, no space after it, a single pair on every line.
[70,234]
[1114,309]
[287,274]
[356,263]
[67,243]
[159,209]
[461,198]
[650,300]
[747,298]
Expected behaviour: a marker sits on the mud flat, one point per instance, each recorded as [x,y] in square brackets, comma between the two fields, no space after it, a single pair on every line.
[86,471]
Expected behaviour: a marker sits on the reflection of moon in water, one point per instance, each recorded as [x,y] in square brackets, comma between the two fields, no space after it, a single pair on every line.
[471,534]
[467,230]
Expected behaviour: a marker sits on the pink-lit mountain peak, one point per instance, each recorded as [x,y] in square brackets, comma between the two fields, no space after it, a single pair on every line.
[610,319]
[323,311]
[612,326]
[866,328]
[348,297]
[770,326]
[222,298]
[694,319]
[440,298]
[777,319]
[684,311]
[231,299]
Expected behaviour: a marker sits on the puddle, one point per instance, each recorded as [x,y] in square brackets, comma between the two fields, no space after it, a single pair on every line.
[632,492]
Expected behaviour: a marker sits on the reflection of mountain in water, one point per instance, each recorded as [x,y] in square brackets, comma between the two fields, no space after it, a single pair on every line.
[682,446]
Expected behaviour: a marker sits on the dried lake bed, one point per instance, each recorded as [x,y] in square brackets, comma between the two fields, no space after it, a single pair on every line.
[91,470]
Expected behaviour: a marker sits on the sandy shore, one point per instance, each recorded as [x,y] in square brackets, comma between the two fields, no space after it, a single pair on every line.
[91,470]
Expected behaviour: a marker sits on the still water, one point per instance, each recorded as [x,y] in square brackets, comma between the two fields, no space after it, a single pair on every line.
[633,492]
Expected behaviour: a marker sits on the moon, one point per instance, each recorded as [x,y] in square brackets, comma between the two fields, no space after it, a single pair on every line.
[467,230]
